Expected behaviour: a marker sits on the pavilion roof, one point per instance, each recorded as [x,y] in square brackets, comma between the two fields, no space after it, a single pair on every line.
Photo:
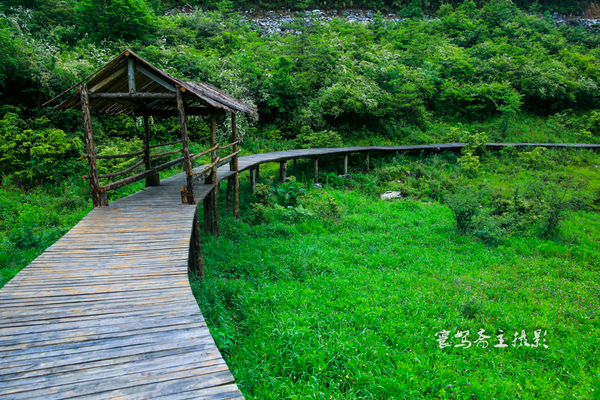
[150,81]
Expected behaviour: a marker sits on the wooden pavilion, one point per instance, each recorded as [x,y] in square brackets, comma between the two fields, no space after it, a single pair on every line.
[130,85]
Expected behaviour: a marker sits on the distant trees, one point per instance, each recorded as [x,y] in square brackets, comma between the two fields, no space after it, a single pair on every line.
[390,79]
[116,19]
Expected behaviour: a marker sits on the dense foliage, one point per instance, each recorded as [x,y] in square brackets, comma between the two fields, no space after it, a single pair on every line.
[486,67]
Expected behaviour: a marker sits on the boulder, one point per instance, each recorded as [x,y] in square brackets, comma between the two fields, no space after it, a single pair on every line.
[391,195]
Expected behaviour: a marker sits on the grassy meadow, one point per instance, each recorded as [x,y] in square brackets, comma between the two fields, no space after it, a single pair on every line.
[341,295]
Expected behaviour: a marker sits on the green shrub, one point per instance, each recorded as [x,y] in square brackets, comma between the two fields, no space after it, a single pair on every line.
[334,180]
[475,143]
[259,214]
[537,158]
[594,123]
[292,214]
[465,208]
[488,229]
[554,195]
[469,163]
[262,193]
[33,154]
[308,139]
[116,19]
[328,207]
[287,193]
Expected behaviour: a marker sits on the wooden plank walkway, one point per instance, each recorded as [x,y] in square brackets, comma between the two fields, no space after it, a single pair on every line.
[107,311]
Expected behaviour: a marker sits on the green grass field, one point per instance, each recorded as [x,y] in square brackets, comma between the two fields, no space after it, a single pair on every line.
[348,307]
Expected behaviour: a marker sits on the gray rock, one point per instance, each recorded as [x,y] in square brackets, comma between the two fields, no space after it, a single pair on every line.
[391,195]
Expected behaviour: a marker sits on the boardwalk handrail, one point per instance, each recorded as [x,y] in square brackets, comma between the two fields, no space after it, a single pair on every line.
[196,156]
[141,175]
[229,145]
[147,173]
[131,168]
[223,161]
[123,172]
[204,172]
[137,153]
[166,153]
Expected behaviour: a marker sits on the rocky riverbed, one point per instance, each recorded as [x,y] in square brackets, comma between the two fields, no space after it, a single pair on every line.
[271,22]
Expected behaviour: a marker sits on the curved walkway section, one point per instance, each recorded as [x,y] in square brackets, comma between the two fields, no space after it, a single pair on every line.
[107,311]
[248,162]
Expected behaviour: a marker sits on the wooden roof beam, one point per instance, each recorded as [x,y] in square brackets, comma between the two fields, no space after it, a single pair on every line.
[155,77]
[139,96]
[104,82]
[140,112]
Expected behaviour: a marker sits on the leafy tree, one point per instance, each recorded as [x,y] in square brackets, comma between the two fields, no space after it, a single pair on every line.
[116,19]
[34,150]
[282,101]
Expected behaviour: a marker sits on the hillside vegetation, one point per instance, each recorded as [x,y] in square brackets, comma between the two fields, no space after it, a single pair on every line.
[490,68]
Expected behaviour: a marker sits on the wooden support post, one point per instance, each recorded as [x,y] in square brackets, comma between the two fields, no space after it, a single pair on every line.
[187,163]
[229,193]
[316,170]
[215,207]
[196,260]
[131,75]
[103,197]
[252,179]
[207,203]
[213,175]
[282,171]
[235,167]
[99,198]
[346,164]
[236,195]
[368,154]
[153,180]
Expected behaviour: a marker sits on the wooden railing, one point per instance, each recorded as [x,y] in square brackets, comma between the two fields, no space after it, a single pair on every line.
[148,172]
[209,175]
[208,169]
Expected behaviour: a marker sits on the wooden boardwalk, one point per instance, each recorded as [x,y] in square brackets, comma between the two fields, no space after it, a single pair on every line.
[107,311]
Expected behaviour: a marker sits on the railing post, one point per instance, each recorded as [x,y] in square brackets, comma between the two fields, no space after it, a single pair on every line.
[213,175]
[346,164]
[196,260]
[229,194]
[188,191]
[153,180]
[282,171]
[252,179]
[99,198]
[316,170]
[235,167]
